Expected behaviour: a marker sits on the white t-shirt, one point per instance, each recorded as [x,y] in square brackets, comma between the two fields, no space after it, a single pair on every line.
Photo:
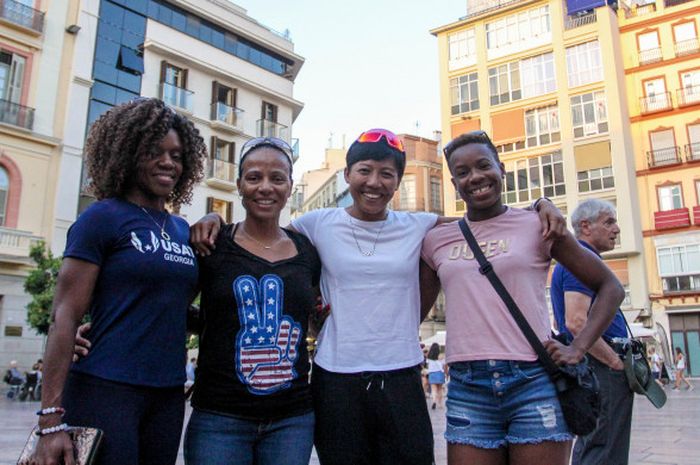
[375,300]
[655,362]
[435,366]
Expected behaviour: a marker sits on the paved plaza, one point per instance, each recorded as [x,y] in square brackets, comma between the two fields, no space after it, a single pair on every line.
[661,437]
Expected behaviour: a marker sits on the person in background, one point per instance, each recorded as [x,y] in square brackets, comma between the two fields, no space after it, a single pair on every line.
[595,226]
[680,371]
[190,370]
[128,263]
[436,375]
[657,364]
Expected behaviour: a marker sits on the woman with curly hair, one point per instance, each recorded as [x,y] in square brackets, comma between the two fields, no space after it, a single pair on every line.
[128,263]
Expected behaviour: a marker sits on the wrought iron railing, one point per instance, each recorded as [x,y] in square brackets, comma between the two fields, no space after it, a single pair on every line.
[692,151]
[652,55]
[22,15]
[16,114]
[657,102]
[687,47]
[665,156]
[688,95]
[573,22]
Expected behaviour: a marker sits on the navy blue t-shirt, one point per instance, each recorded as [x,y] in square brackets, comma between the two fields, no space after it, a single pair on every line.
[564,281]
[142,293]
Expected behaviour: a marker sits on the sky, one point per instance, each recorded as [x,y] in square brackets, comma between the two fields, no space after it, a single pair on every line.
[368,64]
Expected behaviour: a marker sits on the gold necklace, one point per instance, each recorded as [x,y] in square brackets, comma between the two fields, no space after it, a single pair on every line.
[266,247]
[376,238]
[163,234]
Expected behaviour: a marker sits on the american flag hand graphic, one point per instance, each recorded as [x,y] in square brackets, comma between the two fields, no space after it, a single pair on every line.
[267,342]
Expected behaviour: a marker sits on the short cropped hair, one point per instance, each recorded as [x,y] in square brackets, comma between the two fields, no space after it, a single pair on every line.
[378,151]
[473,137]
[590,210]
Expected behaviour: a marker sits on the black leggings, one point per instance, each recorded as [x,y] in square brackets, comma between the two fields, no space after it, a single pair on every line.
[372,418]
[142,425]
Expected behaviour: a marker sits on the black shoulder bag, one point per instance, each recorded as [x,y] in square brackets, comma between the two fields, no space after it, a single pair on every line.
[576,385]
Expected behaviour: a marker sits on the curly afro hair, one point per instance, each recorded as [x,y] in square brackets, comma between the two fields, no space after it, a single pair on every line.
[132,131]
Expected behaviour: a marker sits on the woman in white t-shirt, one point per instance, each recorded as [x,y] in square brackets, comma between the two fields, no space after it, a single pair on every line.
[369,404]
[436,374]
[680,371]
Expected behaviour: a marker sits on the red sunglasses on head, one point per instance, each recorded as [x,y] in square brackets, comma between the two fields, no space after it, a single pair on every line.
[375,135]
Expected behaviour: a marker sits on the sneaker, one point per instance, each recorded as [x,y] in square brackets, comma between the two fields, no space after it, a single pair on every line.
[690,388]
[433,406]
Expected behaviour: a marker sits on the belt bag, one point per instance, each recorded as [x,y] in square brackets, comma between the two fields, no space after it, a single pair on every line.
[576,385]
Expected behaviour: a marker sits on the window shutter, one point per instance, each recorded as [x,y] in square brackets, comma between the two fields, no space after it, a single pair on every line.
[231,152]
[234,97]
[210,204]
[163,67]
[212,148]
[184,79]
[229,212]
[214,99]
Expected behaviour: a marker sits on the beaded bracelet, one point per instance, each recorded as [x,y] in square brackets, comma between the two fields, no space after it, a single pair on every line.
[50,410]
[53,429]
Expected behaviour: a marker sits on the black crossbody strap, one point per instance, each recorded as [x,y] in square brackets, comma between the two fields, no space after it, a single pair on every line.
[486,269]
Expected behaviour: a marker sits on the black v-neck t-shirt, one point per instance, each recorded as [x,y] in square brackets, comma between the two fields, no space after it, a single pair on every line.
[253,361]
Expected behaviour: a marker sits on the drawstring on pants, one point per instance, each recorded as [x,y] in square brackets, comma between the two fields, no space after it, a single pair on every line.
[371,377]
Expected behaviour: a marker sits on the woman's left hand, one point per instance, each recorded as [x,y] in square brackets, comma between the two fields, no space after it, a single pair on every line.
[562,354]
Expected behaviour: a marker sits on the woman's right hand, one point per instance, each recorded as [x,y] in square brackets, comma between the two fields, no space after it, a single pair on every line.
[54,449]
[204,232]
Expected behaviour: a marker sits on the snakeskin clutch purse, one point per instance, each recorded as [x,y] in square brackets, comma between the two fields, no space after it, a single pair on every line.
[85,444]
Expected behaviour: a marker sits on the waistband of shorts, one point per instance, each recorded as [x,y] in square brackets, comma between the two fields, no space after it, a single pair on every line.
[495,365]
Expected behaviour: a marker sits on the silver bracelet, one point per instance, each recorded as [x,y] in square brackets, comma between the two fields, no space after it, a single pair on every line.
[53,429]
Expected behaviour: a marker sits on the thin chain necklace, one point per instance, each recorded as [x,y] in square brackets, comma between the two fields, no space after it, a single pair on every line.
[163,234]
[376,238]
[266,247]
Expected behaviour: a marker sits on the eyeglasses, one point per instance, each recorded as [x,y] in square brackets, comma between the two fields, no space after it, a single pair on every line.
[271,141]
[375,135]
[474,136]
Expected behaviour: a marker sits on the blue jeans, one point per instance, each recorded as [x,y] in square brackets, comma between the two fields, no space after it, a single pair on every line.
[213,439]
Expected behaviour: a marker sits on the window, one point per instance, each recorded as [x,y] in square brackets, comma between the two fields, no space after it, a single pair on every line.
[542,126]
[583,64]
[663,148]
[656,97]
[130,61]
[534,178]
[693,148]
[269,112]
[670,198]
[462,48]
[174,86]
[504,83]
[407,193]
[224,104]
[697,191]
[679,267]
[595,179]
[589,114]
[686,38]
[518,28]
[175,76]
[690,87]
[435,194]
[4,191]
[538,75]
[222,207]
[11,76]
[649,48]
[464,94]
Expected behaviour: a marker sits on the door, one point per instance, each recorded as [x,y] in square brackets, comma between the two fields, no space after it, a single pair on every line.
[656,96]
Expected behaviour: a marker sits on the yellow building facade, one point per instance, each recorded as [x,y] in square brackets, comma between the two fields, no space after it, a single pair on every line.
[549,88]
[662,76]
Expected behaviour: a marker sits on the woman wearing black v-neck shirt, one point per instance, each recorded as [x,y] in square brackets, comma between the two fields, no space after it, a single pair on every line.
[252,402]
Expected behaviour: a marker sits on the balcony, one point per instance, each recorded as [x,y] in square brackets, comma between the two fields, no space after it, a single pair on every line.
[640,10]
[176,96]
[696,215]
[678,218]
[688,95]
[231,117]
[15,244]
[16,114]
[480,7]
[652,55]
[681,284]
[22,15]
[692,151]
[663,157]
[687,47]
[267,128]
[656,102]
[573,22]
[221,174]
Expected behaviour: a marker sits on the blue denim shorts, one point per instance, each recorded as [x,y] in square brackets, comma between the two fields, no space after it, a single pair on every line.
[493,403]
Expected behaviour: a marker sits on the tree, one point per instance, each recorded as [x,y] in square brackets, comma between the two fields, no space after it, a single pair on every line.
[40,284]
